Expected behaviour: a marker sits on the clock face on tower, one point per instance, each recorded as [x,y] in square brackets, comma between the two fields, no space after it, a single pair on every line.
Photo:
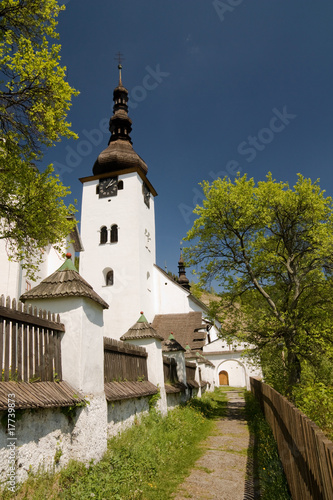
[108,187]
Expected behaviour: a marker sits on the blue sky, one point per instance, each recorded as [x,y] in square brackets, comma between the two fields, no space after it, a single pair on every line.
[215,87]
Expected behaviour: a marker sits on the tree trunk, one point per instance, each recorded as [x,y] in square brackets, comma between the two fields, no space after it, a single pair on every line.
[294,371]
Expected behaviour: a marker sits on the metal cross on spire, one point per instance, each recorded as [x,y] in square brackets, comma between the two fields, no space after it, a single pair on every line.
[119,58]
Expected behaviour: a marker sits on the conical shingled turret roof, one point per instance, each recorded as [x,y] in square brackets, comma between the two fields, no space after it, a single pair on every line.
[171,344]
[119,154]
[141,330]
[65,282]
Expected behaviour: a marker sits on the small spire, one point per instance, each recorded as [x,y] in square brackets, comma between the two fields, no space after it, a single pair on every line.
[171,337]
[142,318]
[182,280]
[68,264]
[120,68]
[119,58]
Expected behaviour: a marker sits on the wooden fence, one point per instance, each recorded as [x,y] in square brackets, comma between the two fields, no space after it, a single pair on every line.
[170,370]
[190,370]
[30,343]
[124,362]
[305,452]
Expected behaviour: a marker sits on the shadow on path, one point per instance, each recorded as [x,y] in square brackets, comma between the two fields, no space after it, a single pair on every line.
[227,469]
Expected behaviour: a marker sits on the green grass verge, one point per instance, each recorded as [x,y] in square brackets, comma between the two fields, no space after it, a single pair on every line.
[267,473]
[145,462]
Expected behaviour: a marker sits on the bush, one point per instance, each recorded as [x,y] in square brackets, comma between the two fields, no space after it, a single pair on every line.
[268,471]
[316,401]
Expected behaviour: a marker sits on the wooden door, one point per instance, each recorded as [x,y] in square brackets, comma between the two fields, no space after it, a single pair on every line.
[223,378]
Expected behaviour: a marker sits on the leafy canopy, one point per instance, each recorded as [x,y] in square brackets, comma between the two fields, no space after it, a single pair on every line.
[34,94]
[270,246]
[34,101]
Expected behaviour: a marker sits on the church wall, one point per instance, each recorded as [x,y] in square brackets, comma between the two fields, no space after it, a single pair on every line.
[42,433]
[9,273]
[236,372]
[13,280]
[174,400]
[169,297]
[123,414]
[229,361]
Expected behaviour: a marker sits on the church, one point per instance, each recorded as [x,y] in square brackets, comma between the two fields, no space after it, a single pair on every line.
[117,259]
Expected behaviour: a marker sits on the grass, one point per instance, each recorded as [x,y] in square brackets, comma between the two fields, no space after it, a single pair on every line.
[267,473]
[146,462]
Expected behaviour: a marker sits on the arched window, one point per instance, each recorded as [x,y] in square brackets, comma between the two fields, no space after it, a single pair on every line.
[114,233]
[120,185]
[103,235]
[109,278]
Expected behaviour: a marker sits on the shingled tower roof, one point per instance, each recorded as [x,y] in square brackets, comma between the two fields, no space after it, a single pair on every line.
[119,154]
[65,282]
[171,344]
[141,330]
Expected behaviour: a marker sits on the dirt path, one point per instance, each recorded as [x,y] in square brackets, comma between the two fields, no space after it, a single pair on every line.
[221,473]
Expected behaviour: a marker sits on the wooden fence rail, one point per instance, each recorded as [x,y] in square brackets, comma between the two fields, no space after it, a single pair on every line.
[305,452]
[190,370]
[30,343]
[170,370]
[124,362]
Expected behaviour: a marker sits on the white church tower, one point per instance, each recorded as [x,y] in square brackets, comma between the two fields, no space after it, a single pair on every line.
[118,226]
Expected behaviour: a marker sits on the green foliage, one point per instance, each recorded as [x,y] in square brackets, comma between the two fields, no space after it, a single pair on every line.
[34,94]
[152,400]
[70,411]
[314,395]
[210,405]
[12,376]
[269,477]
[34,101]
[57,455]
[316,401]
[269,247]
[196,290]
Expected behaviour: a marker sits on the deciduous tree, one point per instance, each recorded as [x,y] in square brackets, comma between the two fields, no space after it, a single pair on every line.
[34,101]
[270,247]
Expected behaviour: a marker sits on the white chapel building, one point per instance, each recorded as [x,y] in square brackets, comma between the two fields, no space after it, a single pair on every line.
[119,261]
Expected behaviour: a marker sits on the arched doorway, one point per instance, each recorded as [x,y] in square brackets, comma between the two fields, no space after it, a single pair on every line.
[223,378]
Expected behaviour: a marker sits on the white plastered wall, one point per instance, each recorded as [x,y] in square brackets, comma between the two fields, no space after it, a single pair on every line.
[131,258]
[13,279]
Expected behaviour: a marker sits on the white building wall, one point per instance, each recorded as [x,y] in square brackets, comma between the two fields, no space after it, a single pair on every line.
[169,297]
[239,368]
[13,280]
[131,258]
[123,414]
[155,367]
[9,273]
[82,345]
[180,360]
[236,372]
[42,432]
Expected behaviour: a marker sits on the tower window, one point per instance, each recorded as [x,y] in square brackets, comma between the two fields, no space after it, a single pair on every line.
[97,189]
[103,235]
[114,233]
[109,278]
[120,185]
